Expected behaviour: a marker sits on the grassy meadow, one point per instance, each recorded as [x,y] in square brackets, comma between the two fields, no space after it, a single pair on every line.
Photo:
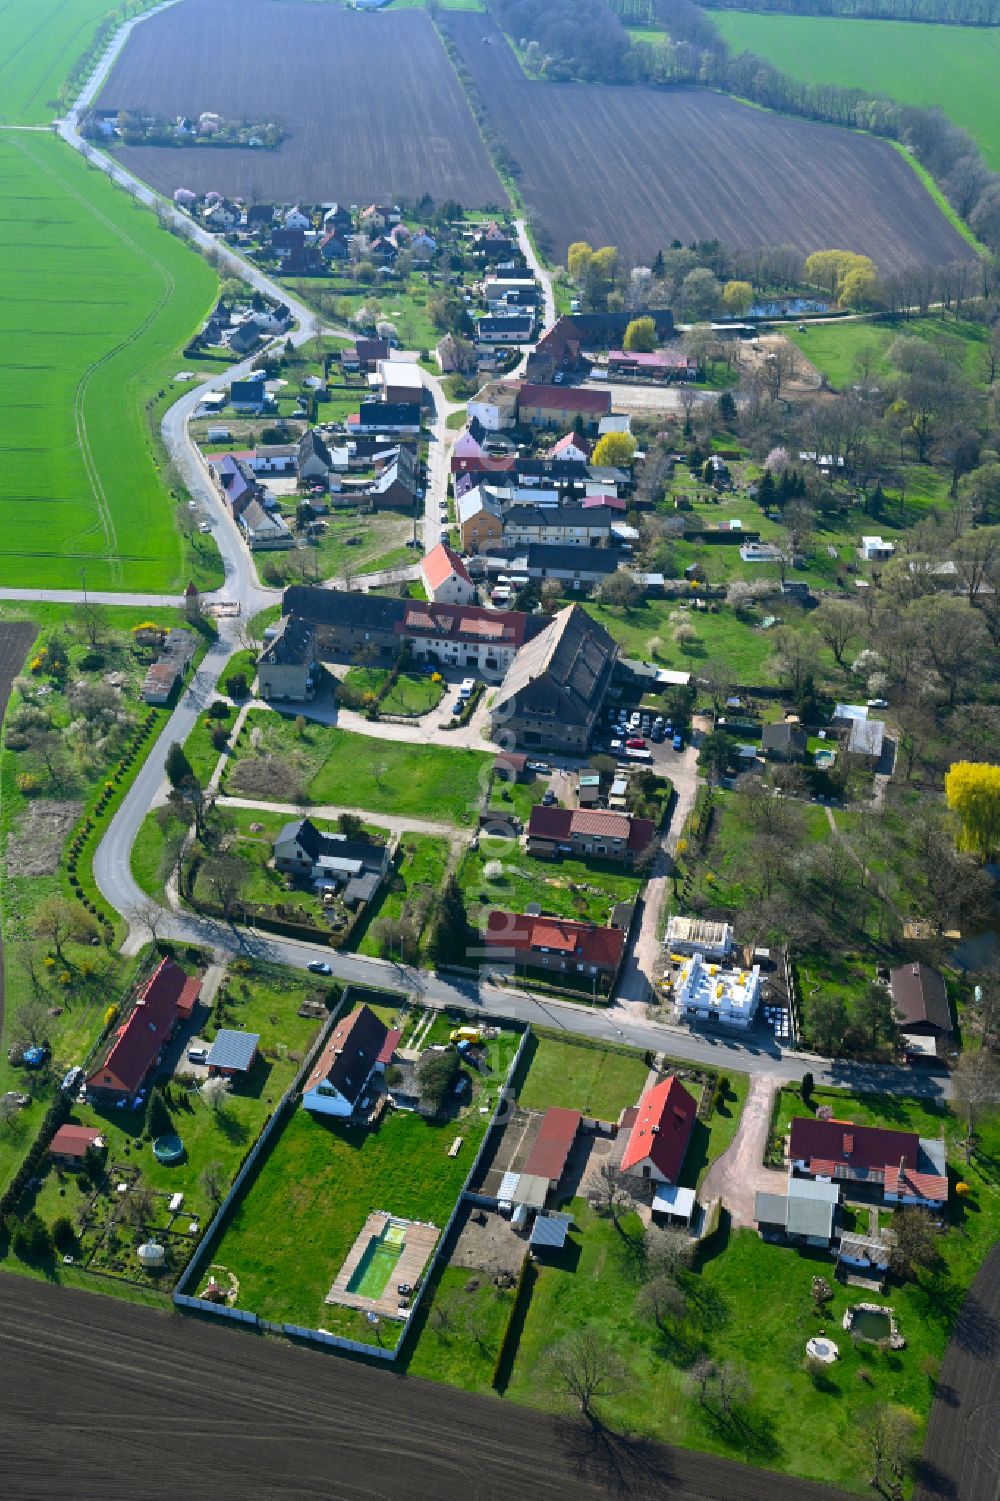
[951,67]
[97,303]
[38,49]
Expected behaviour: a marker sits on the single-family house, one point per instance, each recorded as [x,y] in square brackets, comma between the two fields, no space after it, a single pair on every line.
[876,550]
[557,946]
[356,867]
[494,405]
[245,338]
[395,487]
[286,668]
[402,382]
[588,833]
[385,417]
[382,251]
[707,992]
[554,690]
[259,216]
[571,446]
[920,1001]
[445,577]
[479,520]
[658,1132]
[70,1145]
[505,329]
[898,1167]
[337,217]
[128,1056]
[804,1215]
[237,482]
[334,247]
[273,320]
[784,741]
[296,219]
[232,1053]
[369,353]
[249,396]
[347,1064]
[562,406]
[314,462]
[263,530]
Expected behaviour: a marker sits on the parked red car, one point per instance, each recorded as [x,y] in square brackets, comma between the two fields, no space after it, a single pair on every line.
[636,743]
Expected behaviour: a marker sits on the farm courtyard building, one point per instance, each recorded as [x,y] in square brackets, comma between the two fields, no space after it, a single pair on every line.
[555,687]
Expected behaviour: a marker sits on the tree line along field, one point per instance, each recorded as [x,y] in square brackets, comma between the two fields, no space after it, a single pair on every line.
[370,103]
[38,46]
[96,303]
[638,167]
[954,68]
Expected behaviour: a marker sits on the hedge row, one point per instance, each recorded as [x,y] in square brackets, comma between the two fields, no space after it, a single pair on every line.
[522,1294]
[55,1116]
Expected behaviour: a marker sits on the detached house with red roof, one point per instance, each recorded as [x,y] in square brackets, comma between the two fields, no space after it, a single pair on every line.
[588,832]
[446,578]
[359,1045]
[898,1167]
[556,945]
[562,406]
[134,1048]
[659,1133]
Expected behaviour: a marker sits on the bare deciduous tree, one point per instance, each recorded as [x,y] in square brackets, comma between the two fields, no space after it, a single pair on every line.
[584,1367]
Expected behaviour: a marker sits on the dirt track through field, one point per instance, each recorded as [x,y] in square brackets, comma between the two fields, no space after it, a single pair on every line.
[638,167]
[101,1401]
[371,104]
[15,643]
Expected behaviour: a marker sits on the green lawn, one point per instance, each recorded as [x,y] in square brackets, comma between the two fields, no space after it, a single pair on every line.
[265,1002]
[413,693]
[99,302]
[444,1350]
[419,876]
[944,67]
[582,889]
[288,1237]
[645,627]
[384,776]
[596,1081]
[834,348]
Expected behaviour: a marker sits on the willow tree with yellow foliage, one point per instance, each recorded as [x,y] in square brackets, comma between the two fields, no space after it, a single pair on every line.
[972,789]
[851,278]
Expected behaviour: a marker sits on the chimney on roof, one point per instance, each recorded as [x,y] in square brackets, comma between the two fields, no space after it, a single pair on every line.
[902,1168]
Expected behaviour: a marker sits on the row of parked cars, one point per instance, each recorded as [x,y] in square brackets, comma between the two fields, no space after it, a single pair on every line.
[634,728]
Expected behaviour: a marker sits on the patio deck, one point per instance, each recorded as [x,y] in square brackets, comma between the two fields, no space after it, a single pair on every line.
[418,1244]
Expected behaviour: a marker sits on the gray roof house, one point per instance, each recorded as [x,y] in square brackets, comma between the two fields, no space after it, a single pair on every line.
[232,1052]
[285,666]
[866,738]
[784,742]
[920,999]
[357,866]
[314,461]
[805,1214]
[555,687]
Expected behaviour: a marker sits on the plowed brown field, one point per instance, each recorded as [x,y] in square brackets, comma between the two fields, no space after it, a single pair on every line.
[371,103]
[639,167]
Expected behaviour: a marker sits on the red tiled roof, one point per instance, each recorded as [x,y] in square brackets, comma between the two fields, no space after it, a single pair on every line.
[188,997]
[143,1033]
[73,1141]
[560,823]
[662,359]
[553,1143]
[459,622]
[917,1185]
[582,941]
[662,1129]
[861,1147]
[565,399]
[390,1045]
[440,563]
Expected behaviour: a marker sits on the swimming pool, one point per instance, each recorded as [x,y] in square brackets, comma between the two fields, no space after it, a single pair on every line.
[378,1262]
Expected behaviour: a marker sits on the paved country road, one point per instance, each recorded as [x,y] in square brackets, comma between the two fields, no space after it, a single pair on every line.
[102,1401]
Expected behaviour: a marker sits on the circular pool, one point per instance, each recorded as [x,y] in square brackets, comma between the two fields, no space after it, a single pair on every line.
[168,1150]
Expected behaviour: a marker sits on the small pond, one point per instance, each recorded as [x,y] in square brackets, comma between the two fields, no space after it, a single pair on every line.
[867,1324]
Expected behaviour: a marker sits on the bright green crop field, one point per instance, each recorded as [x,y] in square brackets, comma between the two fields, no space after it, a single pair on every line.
[96,303]
[38,46]
[952,67]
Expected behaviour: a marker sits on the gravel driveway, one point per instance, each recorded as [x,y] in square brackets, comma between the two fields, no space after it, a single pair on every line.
[740,1172]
